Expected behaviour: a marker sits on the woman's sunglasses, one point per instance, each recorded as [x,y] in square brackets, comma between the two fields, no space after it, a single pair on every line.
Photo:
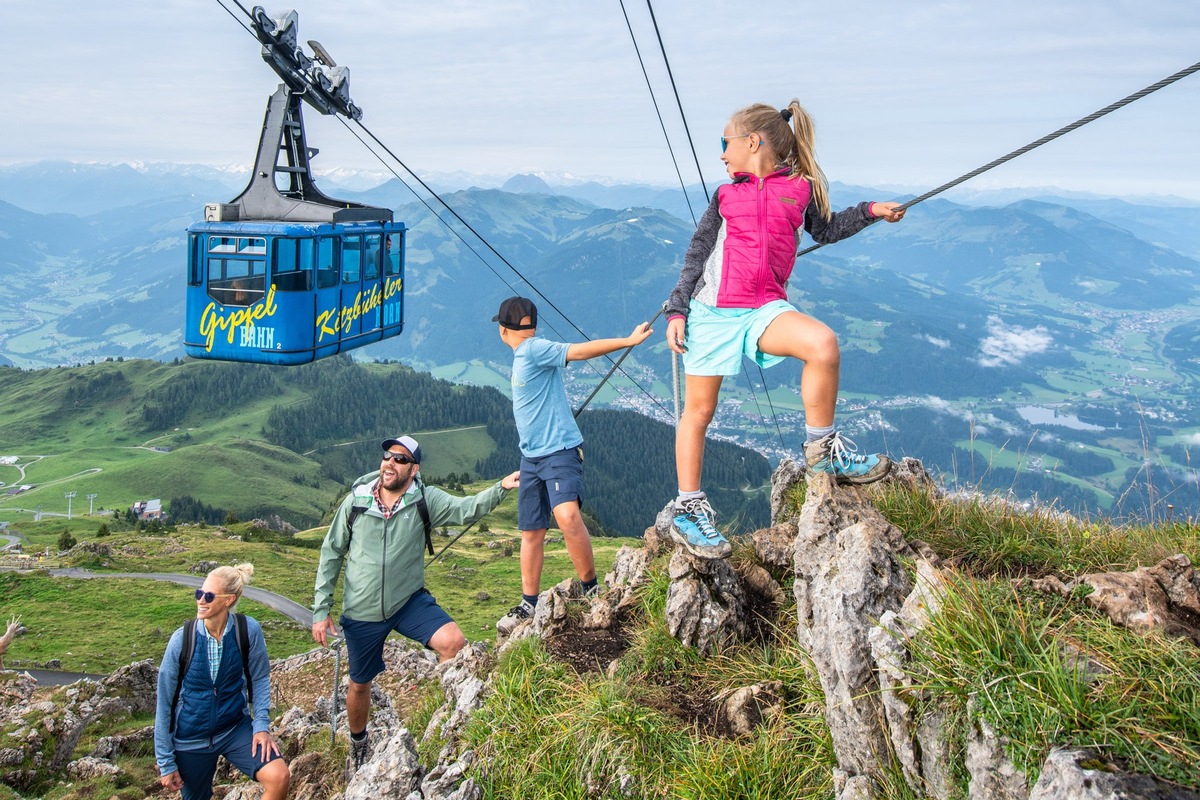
[208,597]
[399,458]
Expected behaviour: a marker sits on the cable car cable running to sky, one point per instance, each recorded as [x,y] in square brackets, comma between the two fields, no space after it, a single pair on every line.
[300,71]
[1079,123]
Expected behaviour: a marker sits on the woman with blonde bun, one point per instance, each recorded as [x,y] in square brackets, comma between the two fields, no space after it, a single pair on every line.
[203,707]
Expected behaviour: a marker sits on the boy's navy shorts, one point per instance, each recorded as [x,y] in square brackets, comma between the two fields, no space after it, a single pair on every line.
[546,482]
[418,619]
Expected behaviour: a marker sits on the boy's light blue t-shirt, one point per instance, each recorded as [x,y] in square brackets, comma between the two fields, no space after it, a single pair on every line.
[543,415]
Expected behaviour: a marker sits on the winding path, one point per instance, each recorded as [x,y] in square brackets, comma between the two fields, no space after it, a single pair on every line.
[285,606]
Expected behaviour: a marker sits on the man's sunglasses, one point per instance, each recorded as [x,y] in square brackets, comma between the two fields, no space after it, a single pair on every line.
[208,597]
[399,458]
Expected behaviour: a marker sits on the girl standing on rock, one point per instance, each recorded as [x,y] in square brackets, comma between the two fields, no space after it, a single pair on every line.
[731,301]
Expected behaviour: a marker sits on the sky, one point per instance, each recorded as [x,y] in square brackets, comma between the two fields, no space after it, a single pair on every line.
[904,95]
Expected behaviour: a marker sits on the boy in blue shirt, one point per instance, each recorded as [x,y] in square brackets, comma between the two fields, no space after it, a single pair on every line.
[551,447]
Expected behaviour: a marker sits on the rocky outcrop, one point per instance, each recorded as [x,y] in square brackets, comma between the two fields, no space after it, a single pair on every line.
[1070,774]
[44,734]
[848,575]
[706,606]
[1164,598]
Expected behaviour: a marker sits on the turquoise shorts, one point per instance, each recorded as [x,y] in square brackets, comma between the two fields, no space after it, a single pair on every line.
[717,338]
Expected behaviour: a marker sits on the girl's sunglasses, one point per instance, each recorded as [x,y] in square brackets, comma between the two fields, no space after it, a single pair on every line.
[208,597]
[726,139]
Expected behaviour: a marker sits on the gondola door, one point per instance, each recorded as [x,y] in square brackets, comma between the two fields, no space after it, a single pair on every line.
[327,321]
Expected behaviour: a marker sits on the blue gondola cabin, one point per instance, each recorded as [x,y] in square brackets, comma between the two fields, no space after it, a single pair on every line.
[292,292]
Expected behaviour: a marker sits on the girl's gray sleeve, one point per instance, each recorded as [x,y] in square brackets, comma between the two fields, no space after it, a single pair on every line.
[840,225]
[703,242]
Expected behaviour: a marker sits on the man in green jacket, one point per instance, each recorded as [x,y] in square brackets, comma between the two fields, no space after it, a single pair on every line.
[380,534]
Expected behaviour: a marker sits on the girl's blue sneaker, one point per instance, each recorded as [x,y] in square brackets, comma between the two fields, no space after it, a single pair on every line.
[837,455]
[692,527]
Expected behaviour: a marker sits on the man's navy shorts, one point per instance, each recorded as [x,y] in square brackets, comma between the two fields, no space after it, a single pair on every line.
[546,482]
[418,619]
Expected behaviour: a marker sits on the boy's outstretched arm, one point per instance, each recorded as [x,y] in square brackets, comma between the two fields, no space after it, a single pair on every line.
[582,351]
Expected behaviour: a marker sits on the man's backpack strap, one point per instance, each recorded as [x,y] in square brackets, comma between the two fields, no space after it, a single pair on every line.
[423,510]
[355,513]
[241,630]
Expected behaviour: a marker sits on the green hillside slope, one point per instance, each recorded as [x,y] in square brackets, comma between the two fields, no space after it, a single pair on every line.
[260,441]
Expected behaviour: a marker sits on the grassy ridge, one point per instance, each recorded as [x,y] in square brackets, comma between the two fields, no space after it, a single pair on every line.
[475,583]
[646,727]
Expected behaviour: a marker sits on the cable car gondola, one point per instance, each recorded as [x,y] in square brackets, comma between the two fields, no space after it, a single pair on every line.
[283,274]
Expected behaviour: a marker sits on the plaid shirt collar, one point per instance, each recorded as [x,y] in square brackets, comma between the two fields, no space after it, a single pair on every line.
[388,510]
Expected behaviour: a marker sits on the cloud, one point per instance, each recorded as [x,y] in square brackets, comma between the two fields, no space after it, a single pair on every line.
[935,341]
[1192,440]
[1010,345]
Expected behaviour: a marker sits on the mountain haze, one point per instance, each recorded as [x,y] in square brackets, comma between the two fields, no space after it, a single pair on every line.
[1044,345]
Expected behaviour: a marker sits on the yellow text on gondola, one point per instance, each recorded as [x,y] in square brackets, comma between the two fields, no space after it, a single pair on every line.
[212,321]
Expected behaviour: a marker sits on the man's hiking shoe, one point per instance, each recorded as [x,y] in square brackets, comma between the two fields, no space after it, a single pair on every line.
[837,456]
[360,752]
[509,622]
[692,527]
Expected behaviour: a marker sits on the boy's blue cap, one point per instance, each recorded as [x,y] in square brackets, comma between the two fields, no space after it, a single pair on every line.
[408,443]
[513,310]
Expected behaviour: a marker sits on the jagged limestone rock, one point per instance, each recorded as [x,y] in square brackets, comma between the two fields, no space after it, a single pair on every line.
[628,568]
[90,768]
[392,771]
[1147,598]
[706,607]
[774,546]
[848,575]
[993,776]
[912,473]
[748,707]
[787,474]
[920,744]
[445,781]
[464,692]
[1070,774]
[551,616]
[757,582]
[109,747]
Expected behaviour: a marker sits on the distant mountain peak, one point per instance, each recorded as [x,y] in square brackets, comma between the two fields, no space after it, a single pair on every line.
[526,184]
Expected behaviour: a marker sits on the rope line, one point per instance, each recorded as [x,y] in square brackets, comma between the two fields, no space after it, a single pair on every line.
[679,103]
[1020,151]
[464,223]
[658,113]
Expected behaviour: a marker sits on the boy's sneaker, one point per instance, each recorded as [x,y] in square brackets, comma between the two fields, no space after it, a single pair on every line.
[360,752]
[837,456]
[692,527]
[509,622]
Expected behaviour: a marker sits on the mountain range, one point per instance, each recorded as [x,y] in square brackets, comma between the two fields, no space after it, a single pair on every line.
[1020,338]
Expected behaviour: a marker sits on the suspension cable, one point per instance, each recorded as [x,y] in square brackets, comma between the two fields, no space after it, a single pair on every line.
[487,244]
[658,113]
[462,221]
[1079,123]
[662,49]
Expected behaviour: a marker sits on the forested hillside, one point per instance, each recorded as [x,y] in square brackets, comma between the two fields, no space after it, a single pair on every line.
[259,441]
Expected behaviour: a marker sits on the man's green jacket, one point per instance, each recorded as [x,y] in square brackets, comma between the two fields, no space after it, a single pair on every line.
[384,558]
